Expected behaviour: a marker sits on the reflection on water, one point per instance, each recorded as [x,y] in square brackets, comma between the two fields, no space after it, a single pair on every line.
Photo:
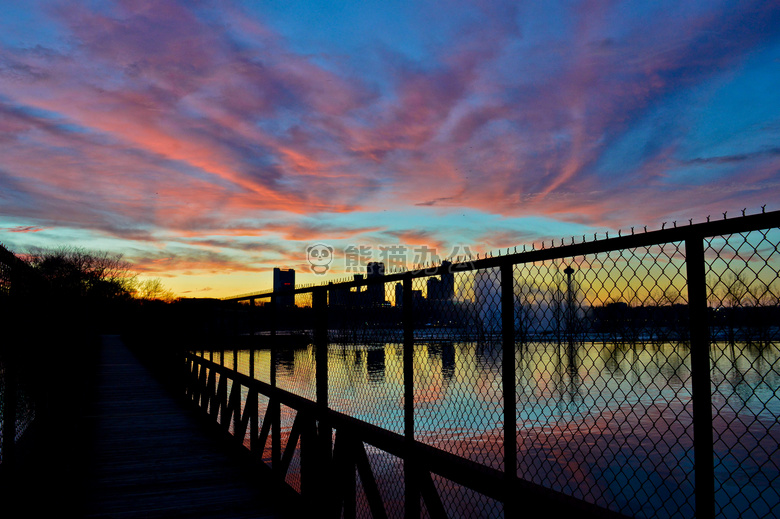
[605,422]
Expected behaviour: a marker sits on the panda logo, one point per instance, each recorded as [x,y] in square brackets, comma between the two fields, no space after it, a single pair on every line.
[319,256]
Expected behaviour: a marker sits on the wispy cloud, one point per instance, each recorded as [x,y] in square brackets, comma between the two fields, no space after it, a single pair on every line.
[23,228]
[182,125]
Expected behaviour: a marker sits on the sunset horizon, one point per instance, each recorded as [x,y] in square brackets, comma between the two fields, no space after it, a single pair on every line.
[210,143]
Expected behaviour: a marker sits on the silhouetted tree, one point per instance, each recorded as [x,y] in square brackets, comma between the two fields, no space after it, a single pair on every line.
[75,273]
[153,290]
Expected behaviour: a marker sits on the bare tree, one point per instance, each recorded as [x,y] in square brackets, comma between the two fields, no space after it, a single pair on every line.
[77,272]
[153,290]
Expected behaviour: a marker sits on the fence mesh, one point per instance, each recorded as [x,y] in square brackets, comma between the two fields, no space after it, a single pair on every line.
[604,379]
[744,290]
[602,387]
[457,383]
[365,356]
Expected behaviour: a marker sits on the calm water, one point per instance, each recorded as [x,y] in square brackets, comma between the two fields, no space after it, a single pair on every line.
[608,423]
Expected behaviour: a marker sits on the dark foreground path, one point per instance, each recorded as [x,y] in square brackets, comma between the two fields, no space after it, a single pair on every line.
[152,458]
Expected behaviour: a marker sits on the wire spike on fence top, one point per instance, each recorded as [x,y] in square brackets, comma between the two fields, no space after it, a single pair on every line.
[724,215]
[690,221]
[743,211]
[763,209]
[632,231]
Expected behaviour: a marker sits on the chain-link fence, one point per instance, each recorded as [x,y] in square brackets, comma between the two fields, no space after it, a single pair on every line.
[636,376]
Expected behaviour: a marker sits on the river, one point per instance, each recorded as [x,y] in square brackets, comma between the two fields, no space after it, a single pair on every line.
[605,422]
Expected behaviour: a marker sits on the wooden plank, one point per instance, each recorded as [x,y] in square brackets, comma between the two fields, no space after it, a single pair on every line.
[151,458]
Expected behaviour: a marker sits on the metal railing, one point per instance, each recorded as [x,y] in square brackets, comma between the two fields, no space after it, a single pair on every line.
[636,376]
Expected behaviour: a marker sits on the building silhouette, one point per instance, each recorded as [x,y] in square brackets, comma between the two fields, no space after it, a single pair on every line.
[442,289]
[375,270]
[284,280]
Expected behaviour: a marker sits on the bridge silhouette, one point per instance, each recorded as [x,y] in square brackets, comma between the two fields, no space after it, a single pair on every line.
[622,377]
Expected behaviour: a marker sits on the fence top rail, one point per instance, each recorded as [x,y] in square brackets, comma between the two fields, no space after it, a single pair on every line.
[711,228]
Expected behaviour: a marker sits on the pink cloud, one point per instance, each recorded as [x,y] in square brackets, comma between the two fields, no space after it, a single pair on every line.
[154,119]
[24,229]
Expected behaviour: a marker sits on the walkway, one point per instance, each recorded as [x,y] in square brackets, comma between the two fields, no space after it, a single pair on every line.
[152,458]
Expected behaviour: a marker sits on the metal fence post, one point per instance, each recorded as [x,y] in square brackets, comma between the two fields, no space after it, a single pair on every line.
[509,387]
[252,317]
[411,486]
[701,393]
[320,307]
[274,410]
[252,397]
[324,433]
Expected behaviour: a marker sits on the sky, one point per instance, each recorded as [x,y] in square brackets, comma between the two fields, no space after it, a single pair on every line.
[209,142]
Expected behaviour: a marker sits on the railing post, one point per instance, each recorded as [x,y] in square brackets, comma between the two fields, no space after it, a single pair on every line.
[508,370]
[701,393]
[411,486]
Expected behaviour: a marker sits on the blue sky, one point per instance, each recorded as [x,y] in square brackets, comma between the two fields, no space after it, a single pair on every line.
[209,142]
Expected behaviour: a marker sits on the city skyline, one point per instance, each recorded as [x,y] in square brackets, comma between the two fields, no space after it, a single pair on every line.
[211,143]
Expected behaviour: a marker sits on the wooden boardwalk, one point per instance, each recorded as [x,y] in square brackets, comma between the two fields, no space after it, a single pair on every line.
[152,458]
